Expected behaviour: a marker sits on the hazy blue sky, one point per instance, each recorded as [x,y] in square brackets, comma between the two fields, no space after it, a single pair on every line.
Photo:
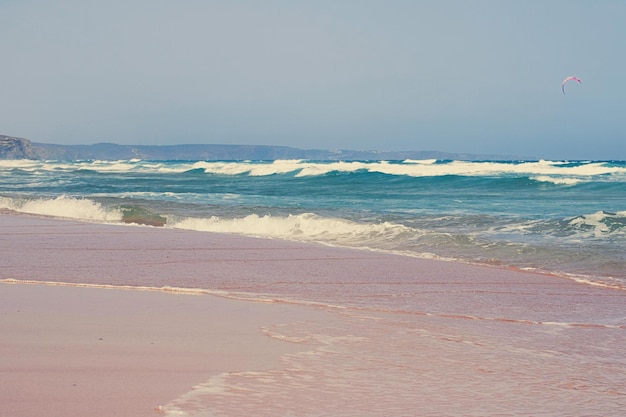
[457,76]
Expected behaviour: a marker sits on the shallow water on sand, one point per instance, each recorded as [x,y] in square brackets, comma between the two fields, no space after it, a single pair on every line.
[395,365]
[503,344]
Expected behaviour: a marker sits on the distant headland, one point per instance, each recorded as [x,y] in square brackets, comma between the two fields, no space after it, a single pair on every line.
[20,148]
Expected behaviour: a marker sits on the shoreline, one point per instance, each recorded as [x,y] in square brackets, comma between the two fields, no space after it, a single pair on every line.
[79,253]
[584,279]
[99,316]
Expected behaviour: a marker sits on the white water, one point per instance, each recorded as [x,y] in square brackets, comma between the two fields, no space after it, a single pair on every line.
[543,170]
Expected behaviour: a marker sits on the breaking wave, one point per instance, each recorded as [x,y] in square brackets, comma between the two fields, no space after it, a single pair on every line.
[63,207]
[558,172]
[82,209]
[302,227]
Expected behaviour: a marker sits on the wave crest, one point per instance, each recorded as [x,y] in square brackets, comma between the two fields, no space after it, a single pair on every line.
[600,223]
[558,172]
[302,227]
[63,206]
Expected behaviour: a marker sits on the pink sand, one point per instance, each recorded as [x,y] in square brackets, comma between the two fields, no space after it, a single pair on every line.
[476,341]
[70,351]
[67,351]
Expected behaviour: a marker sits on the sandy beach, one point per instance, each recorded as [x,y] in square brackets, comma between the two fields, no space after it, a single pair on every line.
[118,339]
[68,350]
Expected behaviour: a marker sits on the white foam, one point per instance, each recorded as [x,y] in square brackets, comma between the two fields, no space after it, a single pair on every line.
[63,206]
[553,171]
[557,180]
[304,227]
[468,168]
[18,163]
[420,161]
[598,222]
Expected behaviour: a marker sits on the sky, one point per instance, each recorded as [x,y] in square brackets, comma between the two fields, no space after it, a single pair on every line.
[477,76]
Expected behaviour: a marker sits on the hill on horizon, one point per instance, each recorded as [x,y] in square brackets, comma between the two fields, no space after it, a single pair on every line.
[19,148]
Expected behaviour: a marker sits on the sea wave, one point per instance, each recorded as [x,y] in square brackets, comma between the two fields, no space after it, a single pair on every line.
[84,209]
[299,168]
[312,226]
[590,226]
[64,207]
[301,227]
[600,223]
[557,172]
[557,180]
[400,232]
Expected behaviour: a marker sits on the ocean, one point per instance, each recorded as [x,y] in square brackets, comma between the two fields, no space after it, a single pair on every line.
[403,342]
[561,217]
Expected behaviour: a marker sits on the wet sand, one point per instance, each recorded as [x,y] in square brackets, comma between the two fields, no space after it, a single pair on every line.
[71,351]
[74,351]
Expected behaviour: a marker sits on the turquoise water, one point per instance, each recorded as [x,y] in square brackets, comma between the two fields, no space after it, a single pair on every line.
[563,217]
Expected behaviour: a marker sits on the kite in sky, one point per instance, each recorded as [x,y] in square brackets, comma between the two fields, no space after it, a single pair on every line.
[566,80]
